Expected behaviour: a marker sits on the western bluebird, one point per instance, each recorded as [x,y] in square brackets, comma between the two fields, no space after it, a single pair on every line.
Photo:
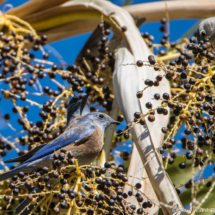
[84,140]
[79,106]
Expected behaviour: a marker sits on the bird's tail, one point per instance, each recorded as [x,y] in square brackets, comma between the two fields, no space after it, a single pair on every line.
[12,172]
[25,207]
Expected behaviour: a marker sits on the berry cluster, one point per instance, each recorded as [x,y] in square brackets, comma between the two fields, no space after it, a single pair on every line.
[66,186]
[79,189]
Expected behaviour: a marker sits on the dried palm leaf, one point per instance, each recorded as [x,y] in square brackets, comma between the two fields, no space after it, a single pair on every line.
[128,77]
[126,86]
[137,174]
[155,11]
[72,18]
[33,6]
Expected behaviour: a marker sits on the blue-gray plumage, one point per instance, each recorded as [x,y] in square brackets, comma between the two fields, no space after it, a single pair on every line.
[84,140]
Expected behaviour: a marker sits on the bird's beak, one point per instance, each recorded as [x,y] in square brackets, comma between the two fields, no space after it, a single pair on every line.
[116,122]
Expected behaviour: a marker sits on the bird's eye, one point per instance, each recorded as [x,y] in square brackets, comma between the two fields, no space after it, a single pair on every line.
[203,34]
[101,116]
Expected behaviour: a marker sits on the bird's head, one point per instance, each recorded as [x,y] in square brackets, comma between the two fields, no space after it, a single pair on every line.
[206,30]
[102,120]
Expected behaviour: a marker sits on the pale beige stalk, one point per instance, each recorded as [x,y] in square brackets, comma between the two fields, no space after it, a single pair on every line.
[126,85]
[51,19]
[137,174]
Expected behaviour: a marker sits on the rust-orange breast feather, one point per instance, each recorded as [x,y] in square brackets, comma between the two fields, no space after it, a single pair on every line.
[87,149]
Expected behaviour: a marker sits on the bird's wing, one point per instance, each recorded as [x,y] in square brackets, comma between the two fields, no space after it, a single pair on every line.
[74,135]
[25,156]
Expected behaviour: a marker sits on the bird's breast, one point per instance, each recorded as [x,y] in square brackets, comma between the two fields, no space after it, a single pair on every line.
[89,148]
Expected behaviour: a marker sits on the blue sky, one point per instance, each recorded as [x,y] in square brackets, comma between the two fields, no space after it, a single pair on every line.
[68,50]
